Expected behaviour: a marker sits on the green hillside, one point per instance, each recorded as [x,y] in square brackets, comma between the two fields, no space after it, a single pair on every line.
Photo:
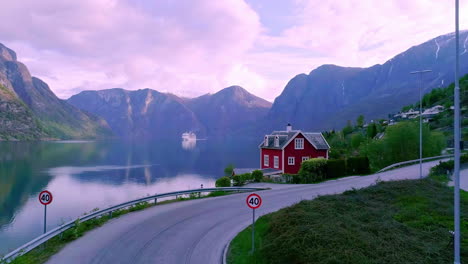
[17,122]
[444,96]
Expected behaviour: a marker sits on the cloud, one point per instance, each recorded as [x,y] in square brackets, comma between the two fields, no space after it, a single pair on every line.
[189,47]
[364,32]
[133,44]
[357,33]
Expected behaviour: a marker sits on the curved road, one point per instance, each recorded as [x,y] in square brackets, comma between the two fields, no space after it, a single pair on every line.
[198,231]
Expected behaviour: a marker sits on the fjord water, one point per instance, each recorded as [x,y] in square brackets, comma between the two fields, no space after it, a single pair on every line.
[84,175]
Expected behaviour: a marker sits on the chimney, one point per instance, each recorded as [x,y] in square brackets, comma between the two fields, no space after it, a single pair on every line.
[288,128]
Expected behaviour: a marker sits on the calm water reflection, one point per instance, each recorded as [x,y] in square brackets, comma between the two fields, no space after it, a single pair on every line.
[83,175]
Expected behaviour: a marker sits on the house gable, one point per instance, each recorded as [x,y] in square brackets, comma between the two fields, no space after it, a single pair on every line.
[298,155]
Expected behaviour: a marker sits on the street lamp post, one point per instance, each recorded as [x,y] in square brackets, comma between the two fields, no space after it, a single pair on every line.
[456,143]
[420,73]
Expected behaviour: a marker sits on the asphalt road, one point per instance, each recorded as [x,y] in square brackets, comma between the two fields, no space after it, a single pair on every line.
[198,231]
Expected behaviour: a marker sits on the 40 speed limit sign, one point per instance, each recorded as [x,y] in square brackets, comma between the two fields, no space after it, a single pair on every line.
[254,201]
[45,198]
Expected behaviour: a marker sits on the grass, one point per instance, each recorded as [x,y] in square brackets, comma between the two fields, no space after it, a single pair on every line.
[390,222]
[241,246]
[42,253]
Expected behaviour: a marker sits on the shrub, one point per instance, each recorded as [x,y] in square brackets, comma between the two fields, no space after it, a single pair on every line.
[444,166]
[313,170]
[257,175]
[336,169]
[294,178]
[239,180]
[357,165]
[223,182]
[247,177]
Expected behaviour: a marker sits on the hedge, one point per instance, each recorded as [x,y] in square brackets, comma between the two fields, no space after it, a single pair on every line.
[336,169]
[357,165]
[316,170]
[313,170]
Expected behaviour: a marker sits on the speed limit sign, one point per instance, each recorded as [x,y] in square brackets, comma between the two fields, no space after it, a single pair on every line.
[254,201]
[45,197]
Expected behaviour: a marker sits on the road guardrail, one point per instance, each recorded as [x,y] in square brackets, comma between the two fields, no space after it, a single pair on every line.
[62,228]
[413,161]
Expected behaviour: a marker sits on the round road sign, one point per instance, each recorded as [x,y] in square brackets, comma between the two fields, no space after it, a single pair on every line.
[45,197]
[254,201]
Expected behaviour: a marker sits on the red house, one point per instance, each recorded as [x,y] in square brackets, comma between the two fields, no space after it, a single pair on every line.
[286,150]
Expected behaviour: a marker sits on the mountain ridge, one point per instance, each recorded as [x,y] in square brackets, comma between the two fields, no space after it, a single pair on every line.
[211,115]
[28,103]
[330,95]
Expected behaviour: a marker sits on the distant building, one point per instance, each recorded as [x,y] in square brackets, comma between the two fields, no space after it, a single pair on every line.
[286,150]
[410,114]
[430,113]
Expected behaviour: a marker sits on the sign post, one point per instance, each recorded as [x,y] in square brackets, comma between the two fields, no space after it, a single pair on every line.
[45,198]
[253,201]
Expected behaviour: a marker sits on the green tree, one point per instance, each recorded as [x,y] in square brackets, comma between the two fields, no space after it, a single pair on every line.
[360,121]
[228,170]
[372,130]
[348,129]
[356,140]
[401,143]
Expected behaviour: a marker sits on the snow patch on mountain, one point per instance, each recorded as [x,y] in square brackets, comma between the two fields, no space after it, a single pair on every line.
[342,88]
[464,45]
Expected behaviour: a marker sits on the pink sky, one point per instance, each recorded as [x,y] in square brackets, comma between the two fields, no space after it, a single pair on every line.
[193,47]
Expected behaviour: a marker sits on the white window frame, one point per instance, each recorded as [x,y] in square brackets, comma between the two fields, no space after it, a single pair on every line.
[299,143]
[277,141]
[266,160]
[291,160]
[305,158]
[276,162]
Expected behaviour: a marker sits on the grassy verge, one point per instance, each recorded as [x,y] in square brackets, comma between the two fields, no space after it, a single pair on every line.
[241,246]
[391,222]
[42,253]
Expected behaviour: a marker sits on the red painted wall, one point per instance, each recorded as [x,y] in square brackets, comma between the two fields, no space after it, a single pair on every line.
[271,153]
[308,150]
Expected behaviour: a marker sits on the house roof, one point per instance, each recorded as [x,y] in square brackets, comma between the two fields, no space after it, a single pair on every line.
[316,139]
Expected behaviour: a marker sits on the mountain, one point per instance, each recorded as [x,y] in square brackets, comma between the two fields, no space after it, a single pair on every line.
[330,95]
[30,110]
[17,122]
[149,113]
[228,110]
[143,113]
